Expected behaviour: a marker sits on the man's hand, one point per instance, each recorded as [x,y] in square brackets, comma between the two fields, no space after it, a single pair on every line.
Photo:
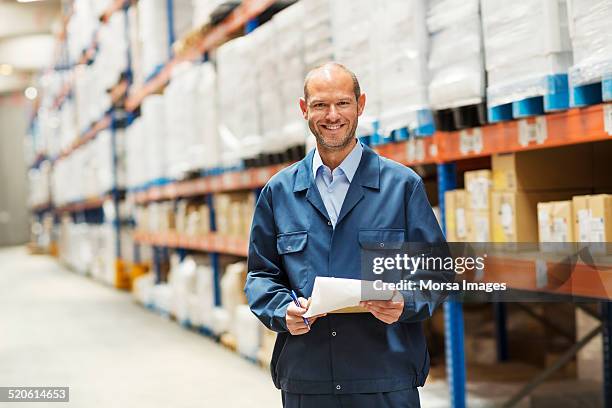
[388,311]
[295,322]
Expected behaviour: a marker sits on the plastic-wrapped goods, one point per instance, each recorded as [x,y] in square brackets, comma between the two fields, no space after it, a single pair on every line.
[112,58]
[267,66]
[318,38]
[182,15]
[290,48]
[81,28]
[103,263]
[202,9]
[355,46]
[402,40]
[154,35]
[182,280]
[142,288]
[180,101]
[205,292]
[239,127]
[135,46]
[246,330]
[67,130]
[154,127]
[163,298]
[456,55]
[136,158]
[232,291]
[527,48]
[40,184]
[589,27]
[205,151]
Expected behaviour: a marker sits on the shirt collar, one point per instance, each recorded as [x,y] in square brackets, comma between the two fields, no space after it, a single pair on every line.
[348,166]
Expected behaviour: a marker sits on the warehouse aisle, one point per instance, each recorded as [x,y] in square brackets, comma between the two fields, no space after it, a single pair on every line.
[59,328]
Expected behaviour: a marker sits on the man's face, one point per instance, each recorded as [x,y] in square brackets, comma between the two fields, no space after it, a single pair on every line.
[331,109]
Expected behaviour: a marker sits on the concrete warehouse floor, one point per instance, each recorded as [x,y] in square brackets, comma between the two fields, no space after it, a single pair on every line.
[61,329]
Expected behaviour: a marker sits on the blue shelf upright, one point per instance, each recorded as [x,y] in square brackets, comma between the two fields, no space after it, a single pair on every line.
[453,311]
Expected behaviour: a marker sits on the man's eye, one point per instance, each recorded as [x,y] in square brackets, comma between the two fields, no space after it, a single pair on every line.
[319,105]
[343,103]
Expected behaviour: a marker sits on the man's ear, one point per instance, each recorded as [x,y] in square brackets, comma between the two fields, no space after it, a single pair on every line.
[304,108]
[361,104]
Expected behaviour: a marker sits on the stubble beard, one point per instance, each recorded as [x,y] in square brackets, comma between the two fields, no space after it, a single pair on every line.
[350,135]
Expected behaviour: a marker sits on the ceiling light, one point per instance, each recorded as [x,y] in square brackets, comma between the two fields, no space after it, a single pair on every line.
[31,93]
[27,1]
[6,69]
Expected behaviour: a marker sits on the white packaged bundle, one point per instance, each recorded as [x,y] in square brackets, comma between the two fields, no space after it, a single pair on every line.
[81,28]
[154,35]
[182,15]
[162,298]
[207,150]
[143,288]
[180,102]
[317,23]
[290,47]
[267,66]
[246,329]
[220,321]
[112,58]
[153,111]
[591,36]
[456,57]
[402,63]
[206,294]
[239,127]
[136,154]
[527,48]
[183,282]
[355,46]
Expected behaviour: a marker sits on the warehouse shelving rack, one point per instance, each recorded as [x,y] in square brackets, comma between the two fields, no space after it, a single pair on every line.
[443,149]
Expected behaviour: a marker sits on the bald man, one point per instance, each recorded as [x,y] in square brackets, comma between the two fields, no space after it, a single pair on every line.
[313,219]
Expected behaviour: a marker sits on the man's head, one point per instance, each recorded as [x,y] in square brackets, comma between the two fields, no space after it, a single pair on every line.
[331,104]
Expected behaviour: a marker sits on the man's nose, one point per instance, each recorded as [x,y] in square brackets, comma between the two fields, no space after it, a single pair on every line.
[332,113]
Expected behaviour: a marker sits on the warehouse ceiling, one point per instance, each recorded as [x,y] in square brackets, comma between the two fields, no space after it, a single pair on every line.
[26,40]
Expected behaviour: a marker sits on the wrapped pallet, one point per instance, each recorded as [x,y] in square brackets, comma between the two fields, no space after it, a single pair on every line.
[239,127]
[290,47]
[527,49]
[355,46]
[456,55]
[246,329]
[402,63]
[589,28]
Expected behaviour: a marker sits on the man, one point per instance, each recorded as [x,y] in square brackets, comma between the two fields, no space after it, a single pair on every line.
[312,219]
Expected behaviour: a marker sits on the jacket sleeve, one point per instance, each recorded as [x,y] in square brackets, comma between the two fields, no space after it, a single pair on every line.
[424,231]
[267,284]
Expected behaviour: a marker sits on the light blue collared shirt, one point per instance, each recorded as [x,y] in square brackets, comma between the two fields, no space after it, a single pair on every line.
[333,186]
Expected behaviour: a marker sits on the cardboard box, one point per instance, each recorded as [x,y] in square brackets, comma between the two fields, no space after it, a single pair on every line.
[514,214]
[478,225]
[478,186]
[556,222]
[593,221]
[541,170]
[455,202]
[588,359]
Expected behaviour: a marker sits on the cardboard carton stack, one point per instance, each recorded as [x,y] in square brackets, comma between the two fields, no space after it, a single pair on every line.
[478,215]
[522,180]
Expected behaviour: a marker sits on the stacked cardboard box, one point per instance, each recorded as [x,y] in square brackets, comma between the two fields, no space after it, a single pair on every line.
[478,216]
[455,202]
[522,180]
[234,213]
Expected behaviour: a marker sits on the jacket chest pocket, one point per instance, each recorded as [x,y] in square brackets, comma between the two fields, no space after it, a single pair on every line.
[291,247]
[373,239]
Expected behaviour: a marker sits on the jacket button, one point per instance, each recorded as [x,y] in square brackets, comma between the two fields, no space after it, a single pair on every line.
[338,387]
[289,247]
[328,222]
[382,244]
[334,333]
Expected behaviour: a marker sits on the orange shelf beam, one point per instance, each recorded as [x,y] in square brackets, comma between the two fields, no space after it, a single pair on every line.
[87,204]
[581,281]
[207,243]
[232,181]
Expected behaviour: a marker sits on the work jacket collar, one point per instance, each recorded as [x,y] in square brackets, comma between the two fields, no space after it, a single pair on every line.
[367,174]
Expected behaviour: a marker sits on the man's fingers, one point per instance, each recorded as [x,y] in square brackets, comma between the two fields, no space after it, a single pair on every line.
[293,310]
[304,302]
[384,309]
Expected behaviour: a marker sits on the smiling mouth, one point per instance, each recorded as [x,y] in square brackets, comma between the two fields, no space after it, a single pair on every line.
[331,127]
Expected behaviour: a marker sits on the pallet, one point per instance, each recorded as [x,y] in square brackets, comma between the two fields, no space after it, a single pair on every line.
[557,99]
[425,126]
[462,117]
[591,94]
[292,154]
